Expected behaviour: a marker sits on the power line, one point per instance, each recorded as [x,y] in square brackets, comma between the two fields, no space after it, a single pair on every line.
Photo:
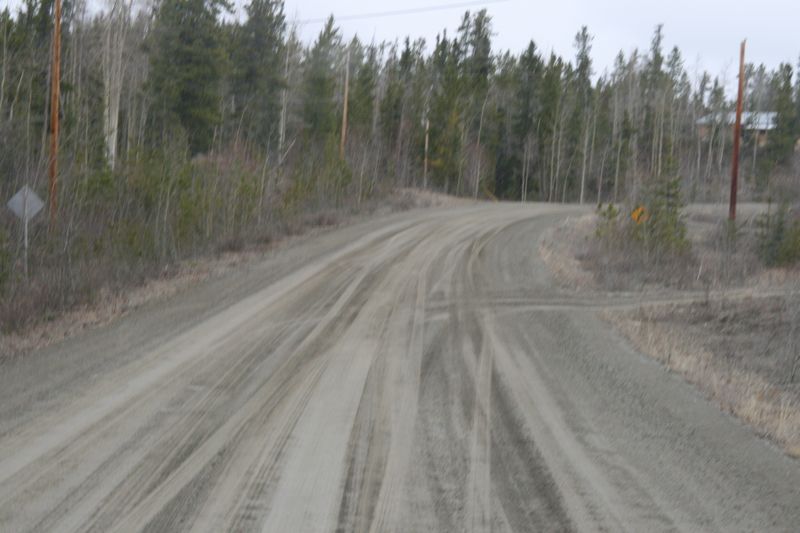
[409,11]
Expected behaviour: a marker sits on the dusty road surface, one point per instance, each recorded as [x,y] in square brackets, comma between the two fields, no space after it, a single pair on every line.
[419,372]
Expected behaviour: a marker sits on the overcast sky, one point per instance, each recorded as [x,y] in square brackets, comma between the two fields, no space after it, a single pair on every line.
[708,32]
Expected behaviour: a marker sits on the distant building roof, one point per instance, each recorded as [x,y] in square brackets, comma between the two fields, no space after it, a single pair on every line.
[759,120]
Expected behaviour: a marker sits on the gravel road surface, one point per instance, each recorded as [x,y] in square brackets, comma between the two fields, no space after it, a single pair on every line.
[417,372]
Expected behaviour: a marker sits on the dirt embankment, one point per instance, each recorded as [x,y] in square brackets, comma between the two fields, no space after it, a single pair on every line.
[738,337]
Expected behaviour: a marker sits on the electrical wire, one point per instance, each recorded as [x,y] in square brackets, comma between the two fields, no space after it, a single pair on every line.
[409,11]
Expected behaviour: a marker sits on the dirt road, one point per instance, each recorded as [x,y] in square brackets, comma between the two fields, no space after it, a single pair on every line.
[420,372]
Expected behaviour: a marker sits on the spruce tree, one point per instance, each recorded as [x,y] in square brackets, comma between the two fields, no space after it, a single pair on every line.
[782,138]
[362,96]
[526,119]
[187,63]
[319,114]
[259,57]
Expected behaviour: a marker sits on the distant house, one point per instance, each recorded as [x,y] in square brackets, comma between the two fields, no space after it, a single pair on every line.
[757,123]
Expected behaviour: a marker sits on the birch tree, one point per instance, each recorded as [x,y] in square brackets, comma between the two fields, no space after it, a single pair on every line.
[116,29]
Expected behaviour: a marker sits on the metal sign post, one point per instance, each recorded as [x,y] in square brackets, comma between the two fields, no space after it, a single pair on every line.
[26,205]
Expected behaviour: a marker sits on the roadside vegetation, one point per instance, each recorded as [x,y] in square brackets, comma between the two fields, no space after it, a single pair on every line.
[779,236]
[660,244]
[644,244]
[177,144]
[738,336]
[741,352]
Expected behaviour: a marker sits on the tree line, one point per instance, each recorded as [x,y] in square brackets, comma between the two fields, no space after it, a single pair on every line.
[183,126]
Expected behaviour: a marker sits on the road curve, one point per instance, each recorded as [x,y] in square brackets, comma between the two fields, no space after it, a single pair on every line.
[419,372]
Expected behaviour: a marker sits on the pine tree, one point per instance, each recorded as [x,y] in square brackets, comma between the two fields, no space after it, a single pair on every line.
[319,84]
[583,100]
[363,92]
[391,105]
[446,113]
[187,64]
[550,120]
[653,87]
[478,66]
[258,58]
[526,120]
[782,138]
[797,100]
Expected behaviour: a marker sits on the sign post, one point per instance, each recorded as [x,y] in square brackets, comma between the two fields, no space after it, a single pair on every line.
[26,205]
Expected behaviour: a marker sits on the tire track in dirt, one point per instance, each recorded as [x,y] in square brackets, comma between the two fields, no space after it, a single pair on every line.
[426,377]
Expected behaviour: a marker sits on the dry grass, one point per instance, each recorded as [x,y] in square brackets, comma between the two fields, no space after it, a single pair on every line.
[106,304]
[109,305]
[740,351]
[558,249]
[758,396]
[579,260]
[408,198]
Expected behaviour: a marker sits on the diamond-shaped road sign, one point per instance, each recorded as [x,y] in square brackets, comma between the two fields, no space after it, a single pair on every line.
[25,204]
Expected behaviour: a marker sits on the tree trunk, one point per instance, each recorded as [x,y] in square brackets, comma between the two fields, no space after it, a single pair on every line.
[584,157]
[524,184]
[284,104]
[4,70]
[113,74]
[478,147]
[616,171]
[600,177]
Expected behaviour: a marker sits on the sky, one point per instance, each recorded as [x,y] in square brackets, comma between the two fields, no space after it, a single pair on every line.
[708,32]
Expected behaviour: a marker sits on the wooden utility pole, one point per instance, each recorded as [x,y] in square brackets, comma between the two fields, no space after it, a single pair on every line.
[344,113]
[55,93]
[737,135]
